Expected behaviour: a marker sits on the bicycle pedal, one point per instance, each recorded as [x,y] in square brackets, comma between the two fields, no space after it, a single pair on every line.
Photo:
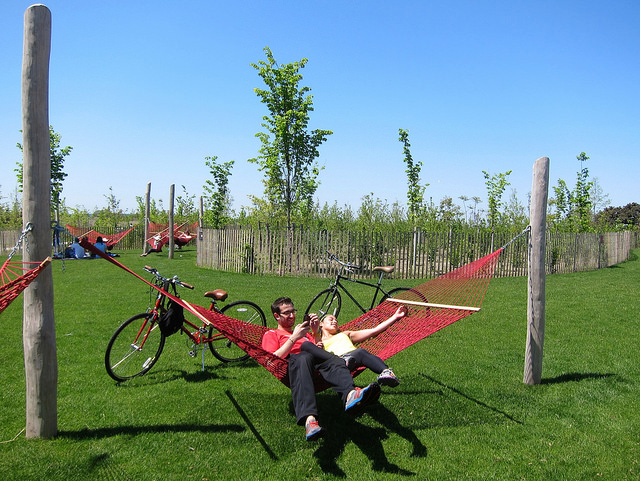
[192,353]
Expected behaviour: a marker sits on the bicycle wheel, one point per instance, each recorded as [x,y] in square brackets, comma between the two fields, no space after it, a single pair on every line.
[134,348]
[221,347]
[398,290]
[326,302]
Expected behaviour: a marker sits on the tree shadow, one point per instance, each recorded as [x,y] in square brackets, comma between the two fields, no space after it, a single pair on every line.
[576,377]
[88,433]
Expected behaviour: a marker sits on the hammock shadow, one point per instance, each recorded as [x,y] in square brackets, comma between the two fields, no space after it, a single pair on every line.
[576,377]
[106,432]
[344,429]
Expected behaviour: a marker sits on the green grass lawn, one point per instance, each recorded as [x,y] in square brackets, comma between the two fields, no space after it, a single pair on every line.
[460,412]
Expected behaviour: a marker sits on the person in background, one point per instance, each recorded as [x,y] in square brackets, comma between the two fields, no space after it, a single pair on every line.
[78,250]
[101,245]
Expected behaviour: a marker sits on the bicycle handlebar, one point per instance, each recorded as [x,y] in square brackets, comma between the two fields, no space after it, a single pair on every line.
[173,280]
[346,265]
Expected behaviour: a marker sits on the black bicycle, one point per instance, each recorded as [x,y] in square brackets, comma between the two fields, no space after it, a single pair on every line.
[329,301]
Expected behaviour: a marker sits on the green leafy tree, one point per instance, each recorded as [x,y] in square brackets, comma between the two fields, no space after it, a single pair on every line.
[58,175]
[217,200]
[157,213]
[289,149]
[496,184]
[111,215]
[574,208]
[185,208]
[415,192]
[582,196]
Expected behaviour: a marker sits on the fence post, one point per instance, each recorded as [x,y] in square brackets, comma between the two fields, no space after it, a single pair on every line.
[147,214]
[536,284]
[172,191]
[38,332]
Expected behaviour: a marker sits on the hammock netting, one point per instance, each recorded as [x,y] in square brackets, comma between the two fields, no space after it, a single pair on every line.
[15,276]
[93,235]
[432,305]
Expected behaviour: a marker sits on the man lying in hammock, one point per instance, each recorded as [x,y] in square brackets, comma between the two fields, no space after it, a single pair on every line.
[286,342]
[342,343]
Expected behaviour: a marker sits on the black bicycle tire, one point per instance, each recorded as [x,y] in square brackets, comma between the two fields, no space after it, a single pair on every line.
[324,296]
[396,290]
[221,347]
[132,355]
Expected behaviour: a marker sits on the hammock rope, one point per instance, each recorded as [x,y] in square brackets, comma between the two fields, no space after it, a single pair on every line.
[15,276]
[432,306]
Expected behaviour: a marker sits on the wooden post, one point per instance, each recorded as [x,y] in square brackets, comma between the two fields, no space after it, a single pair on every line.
[172,191]
[537,278]
[38,331]
[147,214]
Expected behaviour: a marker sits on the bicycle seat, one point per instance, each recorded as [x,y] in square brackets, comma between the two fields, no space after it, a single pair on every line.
[385,269]
[218,294]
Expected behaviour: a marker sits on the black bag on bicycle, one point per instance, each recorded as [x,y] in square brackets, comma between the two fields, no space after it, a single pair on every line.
[171,321]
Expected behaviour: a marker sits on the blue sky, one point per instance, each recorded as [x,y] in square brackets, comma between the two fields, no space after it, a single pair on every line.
[144,91]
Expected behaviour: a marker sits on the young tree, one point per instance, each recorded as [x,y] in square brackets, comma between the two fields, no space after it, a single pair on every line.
[415,192]
[217,200]
[496,185]
[58,175]
[574,208]
[288,149]
[109,217]
[186,210]
[582,196]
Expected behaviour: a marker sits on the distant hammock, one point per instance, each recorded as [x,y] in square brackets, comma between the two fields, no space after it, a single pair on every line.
[92,235]
[431,306]
[159,234]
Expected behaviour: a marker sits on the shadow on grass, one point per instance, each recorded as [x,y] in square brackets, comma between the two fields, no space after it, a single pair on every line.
[87,433]
[162,376]
[575,377]
[469,398]
[342,429]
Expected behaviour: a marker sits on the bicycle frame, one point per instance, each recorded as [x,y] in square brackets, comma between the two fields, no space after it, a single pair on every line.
[336,284]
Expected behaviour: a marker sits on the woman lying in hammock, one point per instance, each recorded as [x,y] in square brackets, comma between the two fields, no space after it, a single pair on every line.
[342,343]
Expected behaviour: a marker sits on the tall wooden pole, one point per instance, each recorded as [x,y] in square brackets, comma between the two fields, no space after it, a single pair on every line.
[38,331]
[537,276]
[172,191]
[147,214]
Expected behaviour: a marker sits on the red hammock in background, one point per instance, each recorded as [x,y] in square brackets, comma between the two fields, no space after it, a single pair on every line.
[93,235]
[159,234]
[451,297]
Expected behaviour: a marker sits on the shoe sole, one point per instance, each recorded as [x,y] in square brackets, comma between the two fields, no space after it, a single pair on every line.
[388,381]
[370,395]
[316,435]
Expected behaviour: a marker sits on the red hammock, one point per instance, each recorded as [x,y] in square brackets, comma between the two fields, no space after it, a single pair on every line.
[15,276]
[451,297]
[93,235]
[159,234]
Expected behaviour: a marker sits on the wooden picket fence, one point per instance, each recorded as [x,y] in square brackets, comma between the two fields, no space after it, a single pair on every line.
[415,255]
